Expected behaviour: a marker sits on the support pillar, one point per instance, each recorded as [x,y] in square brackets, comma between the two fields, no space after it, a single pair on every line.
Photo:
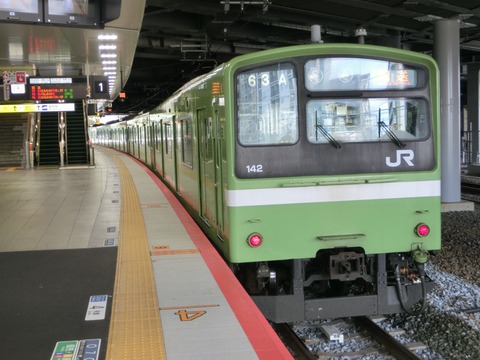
[446,51]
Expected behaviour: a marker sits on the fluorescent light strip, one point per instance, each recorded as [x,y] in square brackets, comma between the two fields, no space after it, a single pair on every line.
[107,47]
[107,37]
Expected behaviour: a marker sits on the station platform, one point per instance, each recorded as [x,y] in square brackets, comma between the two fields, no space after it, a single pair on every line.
[103,262]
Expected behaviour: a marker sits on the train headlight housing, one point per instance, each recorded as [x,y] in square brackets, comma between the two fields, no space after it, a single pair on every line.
[422,230]
[254,240]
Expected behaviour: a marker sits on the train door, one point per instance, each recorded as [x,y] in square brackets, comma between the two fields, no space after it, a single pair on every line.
[138,139]
[148,144]
[207,173]
[219,155]
[124,137]
[153,145]
[145,143]
[175,157]
[128,137]
[170,145]
[160,145]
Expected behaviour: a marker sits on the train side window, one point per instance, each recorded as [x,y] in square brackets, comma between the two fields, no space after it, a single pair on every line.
[141,134]
[267,110]
[187,142]
[168,140]
[158,135]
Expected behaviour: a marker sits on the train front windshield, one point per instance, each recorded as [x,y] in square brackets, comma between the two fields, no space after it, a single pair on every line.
[332,108]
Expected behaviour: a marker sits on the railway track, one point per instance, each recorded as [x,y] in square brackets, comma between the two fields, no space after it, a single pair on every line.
[397,349]
[470,186]
[294,344]
[470,190]
[350,338]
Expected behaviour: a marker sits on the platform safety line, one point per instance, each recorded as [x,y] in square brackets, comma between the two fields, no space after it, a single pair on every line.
[135,326]
[189,307]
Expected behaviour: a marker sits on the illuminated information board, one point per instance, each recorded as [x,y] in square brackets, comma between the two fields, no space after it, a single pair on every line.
[66,88]
[57,88]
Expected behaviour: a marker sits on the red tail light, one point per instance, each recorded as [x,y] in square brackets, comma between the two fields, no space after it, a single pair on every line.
[254,240]
[422,230]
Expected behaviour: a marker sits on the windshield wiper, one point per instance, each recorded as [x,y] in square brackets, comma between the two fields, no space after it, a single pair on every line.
[329,137]
[390,134]
[325,133]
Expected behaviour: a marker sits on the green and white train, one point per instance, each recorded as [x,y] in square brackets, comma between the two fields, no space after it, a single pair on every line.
[314,169]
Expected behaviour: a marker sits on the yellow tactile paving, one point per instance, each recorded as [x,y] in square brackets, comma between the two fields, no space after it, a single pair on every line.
[135,327]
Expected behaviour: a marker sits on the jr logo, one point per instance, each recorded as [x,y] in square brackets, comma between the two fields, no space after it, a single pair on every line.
[406,155]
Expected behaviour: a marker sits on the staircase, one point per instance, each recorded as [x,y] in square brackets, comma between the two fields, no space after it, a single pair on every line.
[13,134]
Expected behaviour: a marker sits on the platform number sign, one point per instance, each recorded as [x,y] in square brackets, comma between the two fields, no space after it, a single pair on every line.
[100,87]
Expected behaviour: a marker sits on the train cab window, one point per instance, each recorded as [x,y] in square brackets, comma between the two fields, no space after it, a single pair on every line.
[367,120]
[267,110]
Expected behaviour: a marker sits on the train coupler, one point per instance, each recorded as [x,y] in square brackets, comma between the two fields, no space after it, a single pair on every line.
[348,266]
[267,278]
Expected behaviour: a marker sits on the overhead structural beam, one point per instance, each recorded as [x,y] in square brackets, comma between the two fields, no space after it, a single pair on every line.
[227,3]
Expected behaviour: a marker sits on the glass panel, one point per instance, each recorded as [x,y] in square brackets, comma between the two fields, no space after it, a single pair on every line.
[141,134]
[187,141]
[366,120]
[347,74]
[267,109]
[168,140]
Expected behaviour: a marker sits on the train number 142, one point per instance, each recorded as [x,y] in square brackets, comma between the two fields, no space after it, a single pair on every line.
[254,168]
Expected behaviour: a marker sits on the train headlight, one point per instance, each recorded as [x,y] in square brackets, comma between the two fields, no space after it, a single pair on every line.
[422,230]
[254,240]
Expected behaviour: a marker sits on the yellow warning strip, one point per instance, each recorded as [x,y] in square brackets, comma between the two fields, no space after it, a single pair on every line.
[135,326]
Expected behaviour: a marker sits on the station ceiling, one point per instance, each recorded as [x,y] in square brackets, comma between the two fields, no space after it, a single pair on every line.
[181,39]
[162,44]
[44,50]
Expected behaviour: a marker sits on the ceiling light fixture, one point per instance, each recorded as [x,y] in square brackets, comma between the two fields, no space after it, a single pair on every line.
[107,37]
[107,47]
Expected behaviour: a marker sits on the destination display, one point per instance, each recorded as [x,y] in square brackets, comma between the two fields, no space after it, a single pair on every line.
[58,88]
[360,74]
[55,88]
